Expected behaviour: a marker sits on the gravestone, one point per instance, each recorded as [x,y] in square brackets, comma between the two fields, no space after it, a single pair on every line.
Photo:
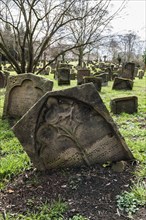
[122,84]
[97,81]
[124,104]
[63,76]
[136,71]
[128,71]
[80,75]
[69,128]
[141,74]
[104,77]
[22,92]
[6,75]
[2,80]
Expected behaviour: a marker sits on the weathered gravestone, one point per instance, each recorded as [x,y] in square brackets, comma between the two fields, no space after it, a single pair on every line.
[63,76]
[124,104]
[80,75]
[122,84]
[2,80]
[22,92]
[128,71]
[104,77]
[141,74]
[97,81]
[70,127]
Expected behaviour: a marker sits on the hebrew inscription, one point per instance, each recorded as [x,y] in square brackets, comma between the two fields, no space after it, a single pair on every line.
[66,131]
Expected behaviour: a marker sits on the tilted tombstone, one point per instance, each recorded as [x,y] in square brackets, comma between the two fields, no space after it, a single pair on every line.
[22,92]
[128,71]
[63,76]
[127,104]
[70,127]
[122,84]
[80,75]
[97,81]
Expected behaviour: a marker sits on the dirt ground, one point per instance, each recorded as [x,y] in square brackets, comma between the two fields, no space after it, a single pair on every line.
[89,191]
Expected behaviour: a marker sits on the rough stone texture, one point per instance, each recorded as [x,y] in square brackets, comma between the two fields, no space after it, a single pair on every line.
[22,92]
[63,76]
[128,71]
[97,81]
[124,104]
[70,127]
[80,75]
[122,84]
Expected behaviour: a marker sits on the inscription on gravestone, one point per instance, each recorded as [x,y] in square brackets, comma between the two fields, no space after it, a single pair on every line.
[22,92]
[69,128]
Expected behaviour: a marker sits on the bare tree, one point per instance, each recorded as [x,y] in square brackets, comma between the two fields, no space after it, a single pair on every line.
[35,26]
[89,30]
[129,43]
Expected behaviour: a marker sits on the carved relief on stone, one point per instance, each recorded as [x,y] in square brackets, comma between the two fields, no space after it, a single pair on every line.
[63,131]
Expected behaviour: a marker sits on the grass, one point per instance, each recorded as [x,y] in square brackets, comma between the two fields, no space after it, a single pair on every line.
[13,159]
[55,211]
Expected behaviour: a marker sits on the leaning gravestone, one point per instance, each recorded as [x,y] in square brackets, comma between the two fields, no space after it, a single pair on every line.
[124,104]
[70,127]
[122,84]
[22,92]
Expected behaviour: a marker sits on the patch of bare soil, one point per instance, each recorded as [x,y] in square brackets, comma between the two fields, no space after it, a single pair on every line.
[89,191]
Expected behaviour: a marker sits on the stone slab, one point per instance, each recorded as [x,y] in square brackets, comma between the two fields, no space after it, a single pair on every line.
[127,104]
[63,76]
[97,81]
[122,84]
[22,92]
[80,75]
[69,128]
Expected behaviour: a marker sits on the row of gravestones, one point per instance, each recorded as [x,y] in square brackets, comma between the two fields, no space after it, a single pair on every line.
[64,73]
[63,128]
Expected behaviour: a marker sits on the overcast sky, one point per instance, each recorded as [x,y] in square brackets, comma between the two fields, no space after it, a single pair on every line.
[133,18]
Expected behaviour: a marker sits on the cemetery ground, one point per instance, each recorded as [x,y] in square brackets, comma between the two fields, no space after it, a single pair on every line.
[98,192]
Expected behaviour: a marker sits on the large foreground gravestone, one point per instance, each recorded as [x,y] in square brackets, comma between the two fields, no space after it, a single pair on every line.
[127,104]
[70,127]
[22,92]
[122,84]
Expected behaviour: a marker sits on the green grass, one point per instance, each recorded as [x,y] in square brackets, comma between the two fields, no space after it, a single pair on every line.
[55,211]
[13,159]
